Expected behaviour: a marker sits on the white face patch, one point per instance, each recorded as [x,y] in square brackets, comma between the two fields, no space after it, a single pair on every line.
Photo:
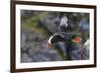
[49,41]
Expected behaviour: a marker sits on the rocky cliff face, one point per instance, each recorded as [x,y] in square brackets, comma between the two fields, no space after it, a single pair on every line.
[34,48]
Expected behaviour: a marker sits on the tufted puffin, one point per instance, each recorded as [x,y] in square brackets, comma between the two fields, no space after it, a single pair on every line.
[73,49]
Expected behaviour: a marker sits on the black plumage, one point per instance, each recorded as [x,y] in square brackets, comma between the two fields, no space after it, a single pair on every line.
[60,37]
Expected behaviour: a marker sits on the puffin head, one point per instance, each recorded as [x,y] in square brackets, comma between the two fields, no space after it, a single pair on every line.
[55,38]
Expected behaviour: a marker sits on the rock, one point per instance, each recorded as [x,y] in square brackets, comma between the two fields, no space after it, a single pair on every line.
[34,48]
[25,58]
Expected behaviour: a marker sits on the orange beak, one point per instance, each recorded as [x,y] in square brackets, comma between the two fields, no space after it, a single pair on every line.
[50,45]
[76,40]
